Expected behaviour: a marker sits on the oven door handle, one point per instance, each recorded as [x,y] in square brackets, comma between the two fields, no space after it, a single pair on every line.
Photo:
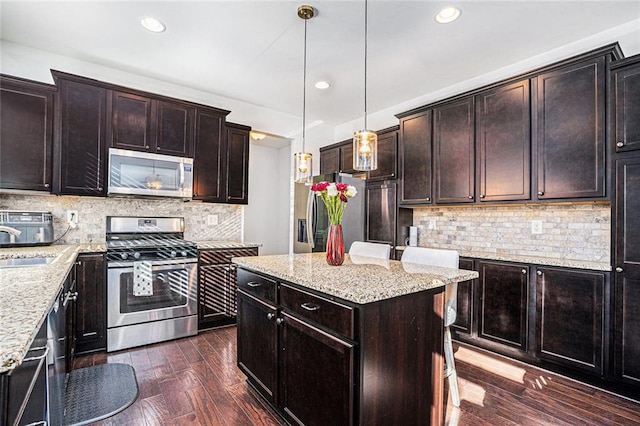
[154,263]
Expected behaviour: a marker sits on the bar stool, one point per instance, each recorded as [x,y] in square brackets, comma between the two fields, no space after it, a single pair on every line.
[446,259]
[379,251]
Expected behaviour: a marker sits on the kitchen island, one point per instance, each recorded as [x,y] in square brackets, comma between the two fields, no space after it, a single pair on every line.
[357,344]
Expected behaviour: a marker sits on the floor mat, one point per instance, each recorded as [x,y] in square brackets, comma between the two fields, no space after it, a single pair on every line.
[98,392]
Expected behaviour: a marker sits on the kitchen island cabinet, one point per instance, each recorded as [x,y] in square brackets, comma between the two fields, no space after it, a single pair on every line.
[359,344]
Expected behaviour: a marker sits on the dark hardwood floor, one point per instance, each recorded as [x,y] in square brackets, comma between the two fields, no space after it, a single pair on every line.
[195,381]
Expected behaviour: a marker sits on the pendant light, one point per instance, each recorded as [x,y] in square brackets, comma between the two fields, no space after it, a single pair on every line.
[303,160]
[365,142]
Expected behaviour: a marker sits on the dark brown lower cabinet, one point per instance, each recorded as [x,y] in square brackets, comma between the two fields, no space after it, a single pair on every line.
[466,300]
[319,360]
[316,375]
[91,322]
[627,351]
[257,339]
[503,308]
[571,312]
[217,286]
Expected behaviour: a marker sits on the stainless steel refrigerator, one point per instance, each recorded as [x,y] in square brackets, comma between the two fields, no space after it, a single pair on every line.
[311,221]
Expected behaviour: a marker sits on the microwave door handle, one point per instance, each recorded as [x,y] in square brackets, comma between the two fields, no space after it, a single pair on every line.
[310,219]
[181,175]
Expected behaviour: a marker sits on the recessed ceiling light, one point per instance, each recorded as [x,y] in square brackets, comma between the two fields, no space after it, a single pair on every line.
[447,15]
[152,24]
[322,85]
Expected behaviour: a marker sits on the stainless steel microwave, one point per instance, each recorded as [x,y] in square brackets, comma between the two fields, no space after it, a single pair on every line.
[155,175]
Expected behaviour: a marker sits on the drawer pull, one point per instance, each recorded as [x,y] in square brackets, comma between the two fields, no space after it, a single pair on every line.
[35,358]
[270,316]
[310,306]
[279,321]
[254,284]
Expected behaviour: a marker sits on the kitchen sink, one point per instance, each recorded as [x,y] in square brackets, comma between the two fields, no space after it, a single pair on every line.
[26,261]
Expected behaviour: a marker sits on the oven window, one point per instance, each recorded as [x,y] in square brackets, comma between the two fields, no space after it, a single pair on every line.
[164,289]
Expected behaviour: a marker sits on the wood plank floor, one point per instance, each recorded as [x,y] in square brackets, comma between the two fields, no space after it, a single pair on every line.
[195,381]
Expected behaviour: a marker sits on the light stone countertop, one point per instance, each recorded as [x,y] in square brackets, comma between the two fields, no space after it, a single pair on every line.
[535,260]
[28,293]
[208,245]
[359,279]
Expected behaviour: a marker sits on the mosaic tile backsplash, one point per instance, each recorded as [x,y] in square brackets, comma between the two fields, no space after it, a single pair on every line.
[569,231]
[92,213]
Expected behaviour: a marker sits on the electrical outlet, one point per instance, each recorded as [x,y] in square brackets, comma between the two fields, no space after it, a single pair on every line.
[72,217]
[212,219]
[536,227]
[432,224]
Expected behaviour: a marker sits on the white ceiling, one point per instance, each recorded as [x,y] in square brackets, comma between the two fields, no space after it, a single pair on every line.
[252,51]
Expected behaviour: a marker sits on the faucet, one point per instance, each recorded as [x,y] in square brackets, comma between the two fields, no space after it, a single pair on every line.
[13,233]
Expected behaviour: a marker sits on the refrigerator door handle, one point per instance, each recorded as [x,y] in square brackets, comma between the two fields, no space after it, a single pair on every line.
[311,224]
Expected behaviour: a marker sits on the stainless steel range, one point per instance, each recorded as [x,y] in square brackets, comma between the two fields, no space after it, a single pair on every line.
[151,281]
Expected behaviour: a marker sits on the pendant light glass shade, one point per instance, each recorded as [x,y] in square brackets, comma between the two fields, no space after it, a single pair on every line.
[303,160]
[304,167]
[365,150]
[365,142]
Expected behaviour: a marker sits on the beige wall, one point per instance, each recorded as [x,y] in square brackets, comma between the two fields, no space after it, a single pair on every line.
[576,231]
[92,213]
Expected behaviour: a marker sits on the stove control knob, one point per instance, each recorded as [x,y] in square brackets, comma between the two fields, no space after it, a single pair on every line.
[173,253]
[183,253]
[136,255]
[124,256]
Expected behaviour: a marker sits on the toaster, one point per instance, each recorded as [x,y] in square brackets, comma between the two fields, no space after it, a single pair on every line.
[25,228]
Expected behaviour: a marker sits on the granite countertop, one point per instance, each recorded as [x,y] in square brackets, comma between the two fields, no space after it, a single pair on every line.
[535,260]
[359,279]
[208,245]
[27,294]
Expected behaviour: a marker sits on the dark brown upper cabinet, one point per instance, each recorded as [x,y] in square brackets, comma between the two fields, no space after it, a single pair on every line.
[626,104]
[415,158]
[337,158]
[387,156]
[81,146]
[329,160]
[210,153]
[174,129]
[237,163]
[454,152]
[569,130]
[140,123]
[26,133]
[504,143]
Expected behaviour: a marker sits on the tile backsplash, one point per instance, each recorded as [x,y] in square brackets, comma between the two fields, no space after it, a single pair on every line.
[92,213]
[569,231]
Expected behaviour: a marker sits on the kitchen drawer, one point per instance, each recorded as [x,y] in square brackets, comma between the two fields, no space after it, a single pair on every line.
[334,316]
[257,285]
[217,256]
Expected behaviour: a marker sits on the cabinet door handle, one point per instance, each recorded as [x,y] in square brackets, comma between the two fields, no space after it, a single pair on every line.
[620,144]
[524,271]
[471,197]
[482,195]
[540,192]
[310,306]
[146,146]
[270,316]
[36,358]
[428,199]
[46,185]
[619,269]
[279,321]
[539,273]
[254,284]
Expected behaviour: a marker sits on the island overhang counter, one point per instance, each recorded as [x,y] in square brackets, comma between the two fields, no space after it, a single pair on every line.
[356,344]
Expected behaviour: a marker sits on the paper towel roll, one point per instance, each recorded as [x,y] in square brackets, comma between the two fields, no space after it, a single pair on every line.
[413,236]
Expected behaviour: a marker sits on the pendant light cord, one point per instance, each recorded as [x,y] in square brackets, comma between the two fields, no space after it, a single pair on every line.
[365,64]
[304,88]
